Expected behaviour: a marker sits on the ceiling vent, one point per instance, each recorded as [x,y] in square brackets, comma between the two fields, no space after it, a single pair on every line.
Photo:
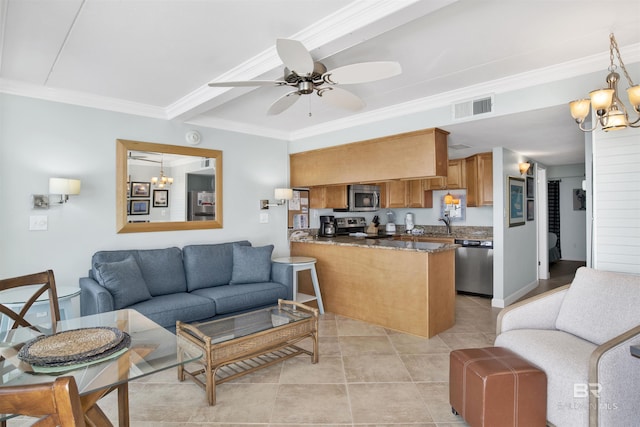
[473,107]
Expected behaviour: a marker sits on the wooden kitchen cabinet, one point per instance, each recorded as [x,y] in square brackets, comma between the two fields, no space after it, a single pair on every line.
[456,174]
[396,194]
[328,197]
[415,193]
[454,180]
[479,171]
[412,155]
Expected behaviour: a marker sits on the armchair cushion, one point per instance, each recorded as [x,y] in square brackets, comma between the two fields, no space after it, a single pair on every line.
[124,281]
[251,264]
[600,305]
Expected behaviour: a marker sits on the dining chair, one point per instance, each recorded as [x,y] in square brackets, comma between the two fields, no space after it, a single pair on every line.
[59,402]
[46,282]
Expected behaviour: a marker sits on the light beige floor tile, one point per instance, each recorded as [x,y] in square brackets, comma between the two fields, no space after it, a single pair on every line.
[300,370]
[354,346]
[427,367]
[380,403]
[298,404]
[375,368]
[237,403]
[410,344]
[327,328]
[352,327]
[466,340]
[436,397]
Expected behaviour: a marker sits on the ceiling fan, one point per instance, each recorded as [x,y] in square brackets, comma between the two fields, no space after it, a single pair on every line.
[306,76]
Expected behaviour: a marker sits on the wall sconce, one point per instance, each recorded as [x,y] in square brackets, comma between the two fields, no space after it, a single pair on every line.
[281,195]
[64,187]
[524,167]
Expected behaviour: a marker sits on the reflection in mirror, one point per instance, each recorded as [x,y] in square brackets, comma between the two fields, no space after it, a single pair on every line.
[167,187]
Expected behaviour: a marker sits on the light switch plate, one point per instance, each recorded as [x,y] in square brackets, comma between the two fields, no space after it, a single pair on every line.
[38,222]
[264,218]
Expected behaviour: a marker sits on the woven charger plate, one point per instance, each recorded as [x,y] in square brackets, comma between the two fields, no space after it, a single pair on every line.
[69,347]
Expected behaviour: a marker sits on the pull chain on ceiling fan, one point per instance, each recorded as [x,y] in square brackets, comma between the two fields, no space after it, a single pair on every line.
[307,76]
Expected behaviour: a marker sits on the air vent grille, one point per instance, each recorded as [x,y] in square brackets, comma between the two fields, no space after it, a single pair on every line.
[473,107]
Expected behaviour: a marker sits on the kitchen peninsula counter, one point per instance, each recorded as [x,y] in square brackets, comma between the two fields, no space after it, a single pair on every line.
[400,285]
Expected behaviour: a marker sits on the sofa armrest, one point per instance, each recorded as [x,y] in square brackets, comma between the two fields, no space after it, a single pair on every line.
[94,298]
[283,273]
[614,381]
[538,312]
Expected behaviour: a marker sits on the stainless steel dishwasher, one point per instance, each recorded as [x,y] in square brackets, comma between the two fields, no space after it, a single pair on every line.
[474,267]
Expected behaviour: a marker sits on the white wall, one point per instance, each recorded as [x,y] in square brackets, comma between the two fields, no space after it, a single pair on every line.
[616,201]
[515,268]
[573,223]
[41,139]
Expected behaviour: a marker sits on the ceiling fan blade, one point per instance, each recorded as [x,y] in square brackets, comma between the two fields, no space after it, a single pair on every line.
[341,98]
[284,102]
[248,83]
[362,72]
[295,56]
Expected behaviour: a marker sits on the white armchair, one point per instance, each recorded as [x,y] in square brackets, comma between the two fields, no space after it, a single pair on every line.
[580,336]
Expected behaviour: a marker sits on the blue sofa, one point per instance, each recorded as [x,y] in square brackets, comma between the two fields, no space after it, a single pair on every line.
[195,283]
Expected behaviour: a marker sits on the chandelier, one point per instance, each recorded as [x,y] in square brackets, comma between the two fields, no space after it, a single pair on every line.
[162,180]
[611,112]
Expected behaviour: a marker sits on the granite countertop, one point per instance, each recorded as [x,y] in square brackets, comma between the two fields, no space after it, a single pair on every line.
[381,243]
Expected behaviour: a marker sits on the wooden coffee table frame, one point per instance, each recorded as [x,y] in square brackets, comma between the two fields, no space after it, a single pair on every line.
[248,353]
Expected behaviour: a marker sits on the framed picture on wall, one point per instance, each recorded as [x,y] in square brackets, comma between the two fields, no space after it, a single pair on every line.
[531,188]
[530,210]
[160,198]
[140,189]
[515,187]
[139,207]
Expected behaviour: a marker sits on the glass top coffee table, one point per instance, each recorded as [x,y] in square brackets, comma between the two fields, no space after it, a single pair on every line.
[238,345]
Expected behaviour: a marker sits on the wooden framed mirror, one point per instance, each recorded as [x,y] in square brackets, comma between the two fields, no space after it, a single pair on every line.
[167,187]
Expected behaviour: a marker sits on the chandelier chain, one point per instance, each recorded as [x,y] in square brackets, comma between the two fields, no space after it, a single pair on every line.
[614,46]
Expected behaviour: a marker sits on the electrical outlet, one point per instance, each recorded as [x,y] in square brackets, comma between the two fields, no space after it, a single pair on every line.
[38,222]
[264,218]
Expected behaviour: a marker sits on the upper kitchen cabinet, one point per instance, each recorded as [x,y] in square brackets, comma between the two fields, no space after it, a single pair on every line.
[328,197]
[479,171]
[412,155]
[455,179]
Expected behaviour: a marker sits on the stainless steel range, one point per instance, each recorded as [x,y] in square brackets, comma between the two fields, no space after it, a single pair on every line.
[350,224]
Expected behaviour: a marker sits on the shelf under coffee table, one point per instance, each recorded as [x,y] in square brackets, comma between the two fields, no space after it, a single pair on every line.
[238,345]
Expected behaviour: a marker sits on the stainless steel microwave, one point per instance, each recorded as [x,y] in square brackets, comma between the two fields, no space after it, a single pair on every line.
[363,198]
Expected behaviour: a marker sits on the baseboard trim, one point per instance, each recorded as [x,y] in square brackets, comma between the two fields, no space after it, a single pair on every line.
[502,303]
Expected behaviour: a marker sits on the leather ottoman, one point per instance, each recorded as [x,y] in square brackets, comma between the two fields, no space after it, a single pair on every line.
[495,387]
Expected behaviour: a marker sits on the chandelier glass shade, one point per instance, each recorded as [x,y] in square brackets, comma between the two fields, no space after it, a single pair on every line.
[162,180]
[610,111]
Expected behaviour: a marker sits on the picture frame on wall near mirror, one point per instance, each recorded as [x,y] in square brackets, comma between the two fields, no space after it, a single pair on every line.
[516,189]
[160,198]
[140,189]
[139,207]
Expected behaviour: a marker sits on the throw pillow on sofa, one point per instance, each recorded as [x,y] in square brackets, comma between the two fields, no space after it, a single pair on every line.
[124,281]
[251,264]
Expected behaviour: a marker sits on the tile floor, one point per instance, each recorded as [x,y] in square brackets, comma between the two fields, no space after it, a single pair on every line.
[367,376]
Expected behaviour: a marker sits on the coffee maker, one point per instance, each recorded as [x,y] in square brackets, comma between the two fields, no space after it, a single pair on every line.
[327,226]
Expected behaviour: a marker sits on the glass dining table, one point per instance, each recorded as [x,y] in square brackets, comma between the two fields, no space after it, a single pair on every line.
[152,349]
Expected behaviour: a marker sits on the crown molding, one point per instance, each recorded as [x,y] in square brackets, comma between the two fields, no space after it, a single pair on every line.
[64,96]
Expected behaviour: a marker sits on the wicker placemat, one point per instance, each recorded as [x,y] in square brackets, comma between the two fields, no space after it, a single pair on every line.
[74,346]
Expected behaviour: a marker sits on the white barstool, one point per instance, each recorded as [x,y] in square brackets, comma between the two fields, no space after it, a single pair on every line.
[301,263]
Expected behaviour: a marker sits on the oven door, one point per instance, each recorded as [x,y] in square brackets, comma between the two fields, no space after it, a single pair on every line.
[364,198]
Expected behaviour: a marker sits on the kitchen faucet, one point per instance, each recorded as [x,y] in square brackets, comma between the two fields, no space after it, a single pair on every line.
[447,222]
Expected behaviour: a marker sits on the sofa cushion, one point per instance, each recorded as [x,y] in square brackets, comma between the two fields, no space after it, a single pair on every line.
[209,265]
[251,265]
[124,281]
[600,305]
[163,270]
[166,309]
[231,298]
